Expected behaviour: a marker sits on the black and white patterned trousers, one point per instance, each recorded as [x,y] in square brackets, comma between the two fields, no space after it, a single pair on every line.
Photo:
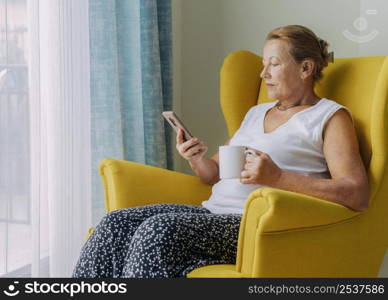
[158,241]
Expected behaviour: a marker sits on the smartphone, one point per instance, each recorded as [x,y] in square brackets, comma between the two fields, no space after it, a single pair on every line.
[176,123]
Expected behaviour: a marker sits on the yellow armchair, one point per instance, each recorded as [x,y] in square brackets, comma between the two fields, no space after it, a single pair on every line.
[285,234]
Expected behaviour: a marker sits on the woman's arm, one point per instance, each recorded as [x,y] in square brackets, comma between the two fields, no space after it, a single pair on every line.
[348,185]
[207,168]
[193,151]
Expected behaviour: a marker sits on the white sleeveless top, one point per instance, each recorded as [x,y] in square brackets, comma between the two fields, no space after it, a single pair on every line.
[295,146]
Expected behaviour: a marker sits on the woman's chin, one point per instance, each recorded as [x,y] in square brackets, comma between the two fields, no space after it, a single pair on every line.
[271,95]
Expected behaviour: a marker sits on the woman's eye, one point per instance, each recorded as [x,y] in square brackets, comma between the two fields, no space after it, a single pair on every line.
[271,64]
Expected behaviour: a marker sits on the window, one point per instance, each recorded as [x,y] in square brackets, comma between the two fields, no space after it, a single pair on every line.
[15,212]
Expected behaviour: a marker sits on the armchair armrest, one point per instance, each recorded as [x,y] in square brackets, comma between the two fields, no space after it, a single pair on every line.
[128,184]
[288,210]
[273,211]
[276,237]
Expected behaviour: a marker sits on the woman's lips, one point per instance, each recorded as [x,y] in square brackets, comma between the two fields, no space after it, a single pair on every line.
[269,85]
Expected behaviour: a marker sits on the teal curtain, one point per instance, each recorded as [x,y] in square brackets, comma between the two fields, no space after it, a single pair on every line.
[131,84]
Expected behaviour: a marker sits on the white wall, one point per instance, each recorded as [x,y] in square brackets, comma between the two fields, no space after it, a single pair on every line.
[205,31]
[379,22]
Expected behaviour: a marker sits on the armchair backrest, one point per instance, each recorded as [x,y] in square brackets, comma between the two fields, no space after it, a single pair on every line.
[361,84]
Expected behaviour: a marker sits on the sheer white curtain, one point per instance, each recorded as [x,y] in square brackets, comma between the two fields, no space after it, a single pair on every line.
[60,131]
[45,164]
[15,218]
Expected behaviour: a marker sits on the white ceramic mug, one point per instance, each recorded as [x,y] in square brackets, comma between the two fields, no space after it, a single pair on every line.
[231,161]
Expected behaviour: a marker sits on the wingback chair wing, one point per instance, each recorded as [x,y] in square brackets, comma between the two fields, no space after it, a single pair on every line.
[286,234]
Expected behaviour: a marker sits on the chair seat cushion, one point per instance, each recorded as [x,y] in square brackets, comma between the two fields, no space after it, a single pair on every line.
[215,271]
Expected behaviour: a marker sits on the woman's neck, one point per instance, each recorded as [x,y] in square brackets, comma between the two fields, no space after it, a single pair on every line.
[306,99]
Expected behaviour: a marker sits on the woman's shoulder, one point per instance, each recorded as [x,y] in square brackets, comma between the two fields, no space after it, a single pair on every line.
[331,103]
[329,108]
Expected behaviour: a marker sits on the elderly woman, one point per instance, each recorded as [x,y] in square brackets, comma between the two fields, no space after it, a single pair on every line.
[301,143]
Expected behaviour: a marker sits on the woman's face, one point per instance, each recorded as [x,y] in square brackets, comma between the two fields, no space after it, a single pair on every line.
[281,73]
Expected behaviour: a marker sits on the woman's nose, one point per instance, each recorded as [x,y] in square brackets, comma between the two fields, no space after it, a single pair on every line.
[264,73]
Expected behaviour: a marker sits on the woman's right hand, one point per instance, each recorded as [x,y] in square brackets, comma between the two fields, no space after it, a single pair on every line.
[191,150]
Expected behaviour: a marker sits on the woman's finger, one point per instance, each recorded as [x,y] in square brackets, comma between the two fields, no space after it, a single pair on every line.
[246,167]
[245,179]
[194,150]
[190,144]
[197,153]
[250,158]
[180,136]
[244,174]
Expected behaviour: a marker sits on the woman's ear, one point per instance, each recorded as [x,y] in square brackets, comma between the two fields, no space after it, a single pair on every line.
[307,68]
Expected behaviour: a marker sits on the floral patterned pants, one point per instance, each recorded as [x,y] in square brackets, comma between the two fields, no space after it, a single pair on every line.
[158,241]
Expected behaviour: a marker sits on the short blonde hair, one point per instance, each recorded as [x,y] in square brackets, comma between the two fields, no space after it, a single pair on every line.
[304,45]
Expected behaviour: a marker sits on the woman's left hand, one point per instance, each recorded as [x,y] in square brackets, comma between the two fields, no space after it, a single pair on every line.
[260,169]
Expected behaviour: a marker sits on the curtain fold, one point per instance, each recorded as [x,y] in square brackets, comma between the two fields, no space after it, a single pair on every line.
[59,104]
[131,84]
